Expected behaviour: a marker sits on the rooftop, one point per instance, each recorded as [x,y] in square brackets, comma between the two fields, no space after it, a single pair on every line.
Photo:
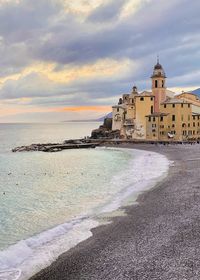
[158,70]
[145,94]
[159,114]
[175,101]
[122,106]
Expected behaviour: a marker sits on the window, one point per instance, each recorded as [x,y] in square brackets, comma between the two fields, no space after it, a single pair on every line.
[153,130]
[173,125]
[188,105]
[149,119]
[173,118]
[193,132]
[117,109]
[163,83]
[188,117]
[161,119]
[151,109]
[182,117]
[198,124]
[151,98]
[165,106]
[181,105]
[153,125]
[141,98]
[193,124]
[193,117]
[173,105]
[188,124]
[156,83]
[154,119]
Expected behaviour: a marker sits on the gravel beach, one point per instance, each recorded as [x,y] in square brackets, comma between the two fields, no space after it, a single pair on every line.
[159,238]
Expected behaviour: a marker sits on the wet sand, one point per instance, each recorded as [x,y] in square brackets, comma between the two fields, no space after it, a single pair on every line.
[159,238]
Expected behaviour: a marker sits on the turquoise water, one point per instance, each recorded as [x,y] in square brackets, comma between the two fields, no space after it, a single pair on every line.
[41,190]
[44,189]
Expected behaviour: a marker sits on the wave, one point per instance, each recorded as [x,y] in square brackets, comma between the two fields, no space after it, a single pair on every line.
[142,173]
[27,257]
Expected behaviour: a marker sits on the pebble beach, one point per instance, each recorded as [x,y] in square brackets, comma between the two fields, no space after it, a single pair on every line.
[158,238]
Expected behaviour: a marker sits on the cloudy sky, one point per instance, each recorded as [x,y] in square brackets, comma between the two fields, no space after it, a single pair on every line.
[64,59]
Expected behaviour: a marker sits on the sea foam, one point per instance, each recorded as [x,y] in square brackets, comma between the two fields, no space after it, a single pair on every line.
[27,257]
[142,173]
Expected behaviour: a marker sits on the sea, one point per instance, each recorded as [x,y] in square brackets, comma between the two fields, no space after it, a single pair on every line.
[49,202]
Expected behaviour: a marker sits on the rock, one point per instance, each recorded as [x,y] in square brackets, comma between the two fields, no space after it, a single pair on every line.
[108,123]
[102,132]
[74,141]
[105,131]
[55,147]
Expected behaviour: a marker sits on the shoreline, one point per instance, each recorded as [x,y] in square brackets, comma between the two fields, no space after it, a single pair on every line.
[148,241]
[42,249]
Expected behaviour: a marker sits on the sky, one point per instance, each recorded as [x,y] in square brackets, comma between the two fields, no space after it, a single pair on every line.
[68,60]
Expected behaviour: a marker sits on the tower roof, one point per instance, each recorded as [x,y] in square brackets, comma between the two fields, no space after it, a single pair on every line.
[158,70]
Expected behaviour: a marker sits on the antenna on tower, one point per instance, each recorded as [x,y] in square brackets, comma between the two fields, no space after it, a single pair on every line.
[158,58]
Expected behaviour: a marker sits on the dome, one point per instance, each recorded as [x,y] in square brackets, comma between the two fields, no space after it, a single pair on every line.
[134,89]
[158,71]
[158,66]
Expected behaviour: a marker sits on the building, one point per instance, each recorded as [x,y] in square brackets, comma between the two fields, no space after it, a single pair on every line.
[159,114]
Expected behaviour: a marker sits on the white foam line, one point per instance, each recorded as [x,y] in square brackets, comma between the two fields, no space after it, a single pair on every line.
[30,256]
[6,274]
[144,171]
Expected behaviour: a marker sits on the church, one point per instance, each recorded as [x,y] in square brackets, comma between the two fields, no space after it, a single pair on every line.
[159,114]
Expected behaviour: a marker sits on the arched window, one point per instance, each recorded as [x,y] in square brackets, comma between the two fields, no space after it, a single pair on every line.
[156,83]
[163,83]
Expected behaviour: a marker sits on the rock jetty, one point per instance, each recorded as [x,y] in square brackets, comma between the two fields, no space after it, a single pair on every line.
[56,147]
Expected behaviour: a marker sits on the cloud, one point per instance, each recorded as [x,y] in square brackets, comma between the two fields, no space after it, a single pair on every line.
[41,85]
[107,11]
[61,53]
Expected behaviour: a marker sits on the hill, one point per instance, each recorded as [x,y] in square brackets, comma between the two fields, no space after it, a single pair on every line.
[93,120]
[104,117]
[196,91]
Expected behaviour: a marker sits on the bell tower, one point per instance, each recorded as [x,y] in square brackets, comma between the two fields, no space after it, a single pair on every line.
[158,85]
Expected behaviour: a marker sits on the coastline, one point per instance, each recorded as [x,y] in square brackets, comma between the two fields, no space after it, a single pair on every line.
[157,238]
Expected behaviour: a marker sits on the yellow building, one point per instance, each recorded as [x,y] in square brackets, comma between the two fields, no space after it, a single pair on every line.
[158,115]
[191,98]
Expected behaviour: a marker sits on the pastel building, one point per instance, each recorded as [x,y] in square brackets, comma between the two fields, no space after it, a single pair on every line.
[159,114]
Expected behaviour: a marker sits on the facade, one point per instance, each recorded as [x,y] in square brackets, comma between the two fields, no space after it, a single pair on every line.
[159,114]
